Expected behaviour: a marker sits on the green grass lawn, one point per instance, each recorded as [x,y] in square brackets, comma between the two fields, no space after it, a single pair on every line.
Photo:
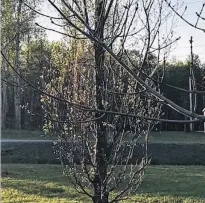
[155,137]
[177,137]
[23,134]
[45,183]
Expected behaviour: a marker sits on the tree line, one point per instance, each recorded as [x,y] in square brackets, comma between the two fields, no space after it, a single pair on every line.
[40,58]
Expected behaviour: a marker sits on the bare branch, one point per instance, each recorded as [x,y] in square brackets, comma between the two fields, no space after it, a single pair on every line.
[192,25]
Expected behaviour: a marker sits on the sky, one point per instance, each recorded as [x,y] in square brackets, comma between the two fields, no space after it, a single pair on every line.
[182,29]
[186,31]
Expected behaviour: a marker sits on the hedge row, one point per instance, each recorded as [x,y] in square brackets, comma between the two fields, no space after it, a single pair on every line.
[161,154]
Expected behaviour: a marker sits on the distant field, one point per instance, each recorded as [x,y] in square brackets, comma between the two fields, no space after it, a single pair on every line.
[46,184]
[155,137]
[177,137]
[23,134]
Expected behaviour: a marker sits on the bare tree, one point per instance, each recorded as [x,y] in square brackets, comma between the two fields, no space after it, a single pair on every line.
[17,93]
[4,105]
[105,98]
[96,85]
[6,39]
[16,23]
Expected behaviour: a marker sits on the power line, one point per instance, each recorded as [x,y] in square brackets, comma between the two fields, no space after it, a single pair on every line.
[191,2]
[189,53]
[187,48]
[188,25]
[185,25]
[189,14]
[203,45]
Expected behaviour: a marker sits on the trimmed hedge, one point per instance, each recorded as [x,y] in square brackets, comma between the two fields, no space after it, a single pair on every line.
[160,153]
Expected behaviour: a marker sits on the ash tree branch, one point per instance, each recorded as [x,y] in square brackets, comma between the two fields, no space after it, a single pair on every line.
[203,18]
[92,37]
[161,83]
[51,17]
[181,16]
[85,108]
[62,33]
[202,8]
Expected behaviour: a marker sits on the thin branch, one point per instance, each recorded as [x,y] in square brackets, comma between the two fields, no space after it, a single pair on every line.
[86,12]
[200,16]
[161,83]
[68,121]
[131,72]
[12,84]
[65,34]
[85,108]
[202,8]
[52,17]
[194,26]
[165,46]
[108,10]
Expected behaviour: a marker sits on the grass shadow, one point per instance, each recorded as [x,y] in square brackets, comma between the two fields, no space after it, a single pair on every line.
[161,181]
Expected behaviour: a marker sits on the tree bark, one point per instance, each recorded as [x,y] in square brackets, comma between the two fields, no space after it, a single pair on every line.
[100,195]
[4,105]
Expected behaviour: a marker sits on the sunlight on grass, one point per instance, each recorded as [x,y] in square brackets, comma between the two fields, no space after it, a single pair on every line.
[45,183]
[14,195]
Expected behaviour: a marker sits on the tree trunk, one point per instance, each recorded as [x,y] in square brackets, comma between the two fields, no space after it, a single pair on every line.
[100,195]
[4,105]
[30,125]
[17,93]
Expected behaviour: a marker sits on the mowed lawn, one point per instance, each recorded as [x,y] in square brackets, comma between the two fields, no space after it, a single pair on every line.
[176,137]
[46,183]
[23,134]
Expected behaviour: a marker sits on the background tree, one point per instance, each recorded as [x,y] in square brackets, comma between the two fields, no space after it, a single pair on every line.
[17,23]
[177,74]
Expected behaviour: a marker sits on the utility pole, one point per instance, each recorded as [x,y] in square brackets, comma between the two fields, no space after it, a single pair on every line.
[190,102]
[191,83]
[204,115]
